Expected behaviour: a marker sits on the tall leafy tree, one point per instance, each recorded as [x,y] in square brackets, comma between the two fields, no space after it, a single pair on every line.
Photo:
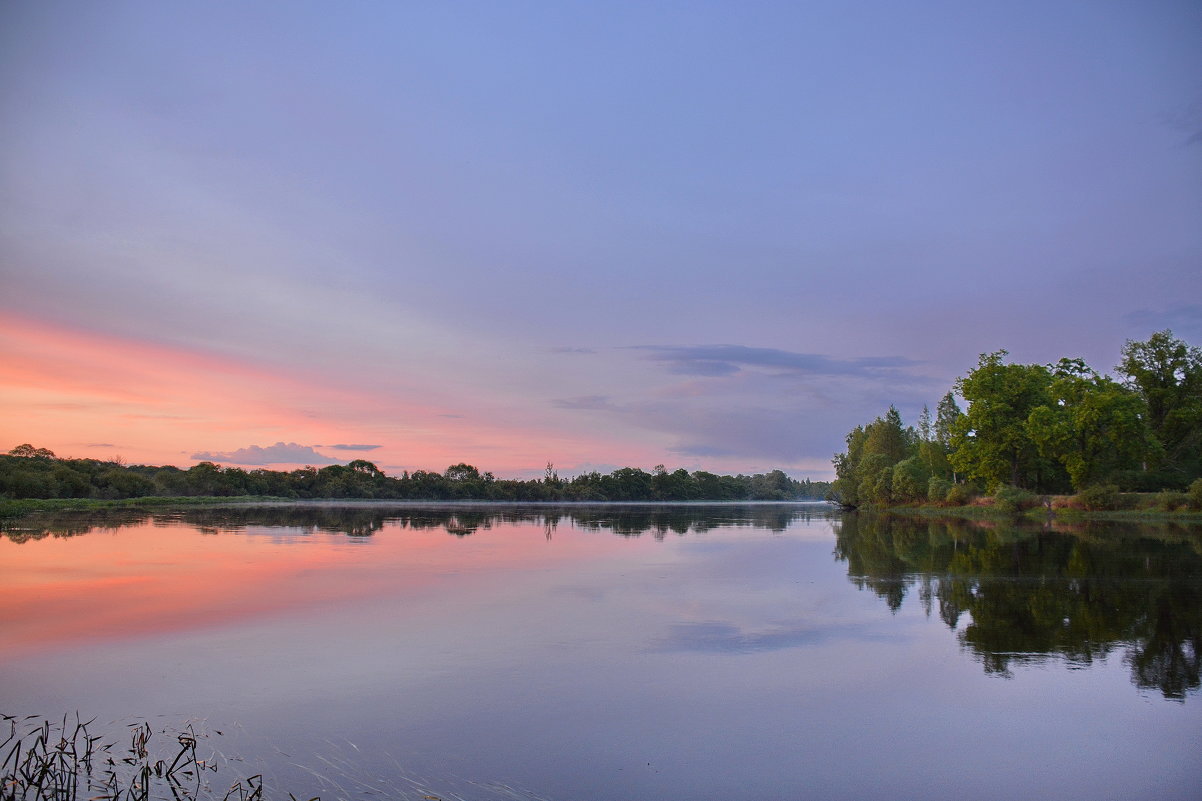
[864,473]
[991,441]
[925,427]
[1094,426]
[946,415]
[1167,374]
[940,447]
[845,488]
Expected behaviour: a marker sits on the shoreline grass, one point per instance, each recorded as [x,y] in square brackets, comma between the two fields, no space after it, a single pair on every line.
[10,509]
[985,511]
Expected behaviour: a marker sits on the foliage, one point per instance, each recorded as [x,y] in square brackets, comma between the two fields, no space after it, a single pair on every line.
[1039,428]
[1194,495]
[1167,374]
[1013,500]
[1170,501]
[1094,426]
[938,489]
[1099,497]
[882,465]
[991,442]
[911,479]
[961,494]
[45,476]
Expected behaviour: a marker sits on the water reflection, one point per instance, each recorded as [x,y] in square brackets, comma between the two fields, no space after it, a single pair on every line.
[1018,593]
[1013,593]
[631,656]
[356,520]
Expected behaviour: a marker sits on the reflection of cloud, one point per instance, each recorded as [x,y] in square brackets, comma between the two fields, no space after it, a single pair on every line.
[716,637]
[351,447]
[718,360]
[279,453]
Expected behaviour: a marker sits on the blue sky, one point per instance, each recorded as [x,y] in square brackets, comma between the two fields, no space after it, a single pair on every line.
[713,235]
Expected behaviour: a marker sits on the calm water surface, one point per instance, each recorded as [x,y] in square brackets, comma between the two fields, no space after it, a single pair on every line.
[718,652]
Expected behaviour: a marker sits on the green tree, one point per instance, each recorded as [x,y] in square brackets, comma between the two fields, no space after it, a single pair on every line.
[947,413]
[27,451]
[864,473]
[888,437]
[1093,426]
[846,487]
[910,480]
[1167,374]
[991,441]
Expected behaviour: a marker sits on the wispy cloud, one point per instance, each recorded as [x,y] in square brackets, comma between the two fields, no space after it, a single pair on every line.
[778,407]
[584,402]
[279,453]
[723,360]
[351,447]
[573,350]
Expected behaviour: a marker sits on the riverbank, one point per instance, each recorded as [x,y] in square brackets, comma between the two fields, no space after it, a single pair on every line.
[16,509]
[1135,507]
[11,509]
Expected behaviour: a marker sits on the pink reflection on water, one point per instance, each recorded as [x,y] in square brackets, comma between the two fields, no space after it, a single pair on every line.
[150,579]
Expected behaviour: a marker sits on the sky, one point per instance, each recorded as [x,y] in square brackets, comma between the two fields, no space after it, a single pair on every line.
[707,235]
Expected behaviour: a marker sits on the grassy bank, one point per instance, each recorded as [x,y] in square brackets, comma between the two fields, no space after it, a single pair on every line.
[10,509]
[1136,508]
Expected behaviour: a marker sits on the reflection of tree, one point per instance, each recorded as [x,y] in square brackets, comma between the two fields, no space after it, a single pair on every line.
[69,523]
[461,520]
[1033,594]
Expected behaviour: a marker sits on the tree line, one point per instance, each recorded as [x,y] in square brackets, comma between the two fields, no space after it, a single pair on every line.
[28,472]
[1036,428]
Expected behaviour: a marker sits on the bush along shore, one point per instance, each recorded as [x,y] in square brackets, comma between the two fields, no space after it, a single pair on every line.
[1056,439]
[1101,502]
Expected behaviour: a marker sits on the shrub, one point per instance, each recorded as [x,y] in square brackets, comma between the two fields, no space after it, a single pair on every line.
[910,481]
[1169,501]
[960,495]
[937,489]
[1099,497]
[1194,495]
[1013,500]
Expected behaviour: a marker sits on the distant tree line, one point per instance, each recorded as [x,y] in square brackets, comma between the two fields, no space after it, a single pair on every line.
[1039,429]
[28,472]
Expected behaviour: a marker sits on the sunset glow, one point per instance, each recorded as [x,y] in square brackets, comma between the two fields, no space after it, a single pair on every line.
[597,237]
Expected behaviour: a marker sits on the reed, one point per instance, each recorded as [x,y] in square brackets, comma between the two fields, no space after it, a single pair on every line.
[51,760]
